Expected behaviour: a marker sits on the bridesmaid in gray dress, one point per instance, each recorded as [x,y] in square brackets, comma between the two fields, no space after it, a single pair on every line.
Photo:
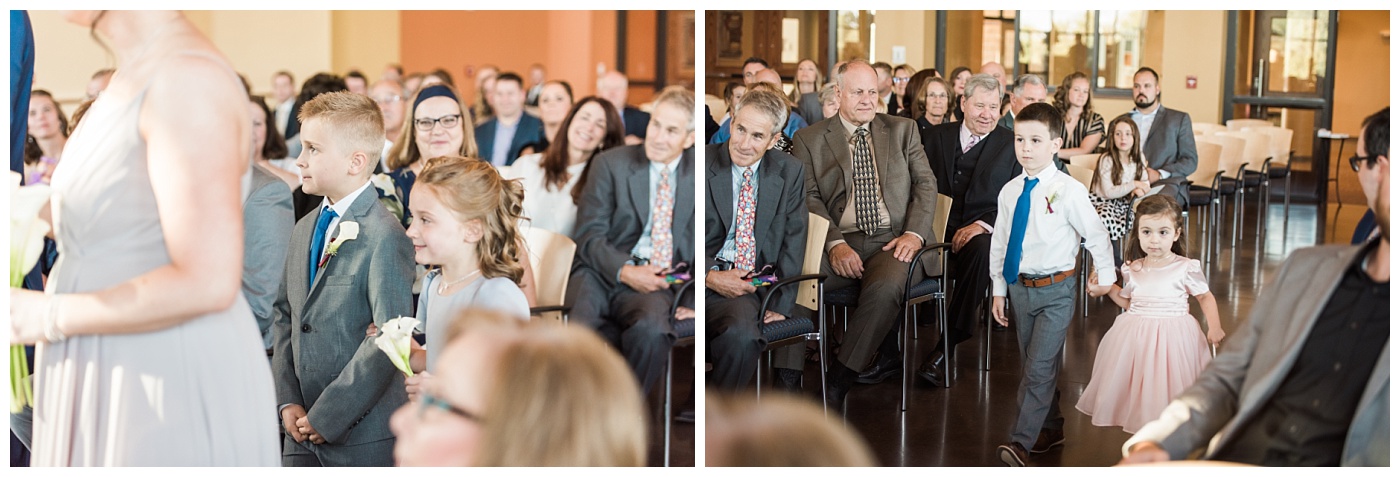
[148,355]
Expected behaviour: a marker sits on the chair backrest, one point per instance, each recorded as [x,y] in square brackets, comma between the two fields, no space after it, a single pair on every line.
[551,256]
[1087,161]
[1207,164]
[1238,124]
[812,260]
[1280,141]
[717,106]
[1082,174]
[1231,151]
[1208,128]
[942,206]
[1256,148]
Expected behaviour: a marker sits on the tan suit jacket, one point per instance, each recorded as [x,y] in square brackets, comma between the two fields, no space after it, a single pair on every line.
[1239,382]
[906,180]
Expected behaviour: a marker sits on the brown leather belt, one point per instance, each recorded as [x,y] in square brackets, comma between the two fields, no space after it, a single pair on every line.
[1046,281]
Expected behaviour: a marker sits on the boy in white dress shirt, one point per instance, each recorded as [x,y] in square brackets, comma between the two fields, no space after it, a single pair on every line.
[1042,214]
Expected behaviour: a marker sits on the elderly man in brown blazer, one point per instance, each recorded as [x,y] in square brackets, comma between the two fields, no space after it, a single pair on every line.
[866,172]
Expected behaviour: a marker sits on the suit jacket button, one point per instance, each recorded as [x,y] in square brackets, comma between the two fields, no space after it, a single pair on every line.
[305,328]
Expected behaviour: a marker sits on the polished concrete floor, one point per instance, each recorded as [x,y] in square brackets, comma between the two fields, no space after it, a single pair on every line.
[962,425]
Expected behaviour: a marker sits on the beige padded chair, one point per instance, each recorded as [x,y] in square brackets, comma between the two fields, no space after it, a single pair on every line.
[809,292]
[1208,128]
[1239,124]
[1256,158]
[551,256]
[1082,174]
[1087,161]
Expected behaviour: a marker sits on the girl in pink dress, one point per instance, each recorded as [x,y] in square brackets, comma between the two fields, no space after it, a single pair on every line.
[1156,349]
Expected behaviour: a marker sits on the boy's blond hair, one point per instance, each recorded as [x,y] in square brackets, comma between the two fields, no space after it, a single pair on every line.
[353,119]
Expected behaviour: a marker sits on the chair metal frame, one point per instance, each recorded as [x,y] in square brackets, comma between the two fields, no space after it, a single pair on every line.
[681,342]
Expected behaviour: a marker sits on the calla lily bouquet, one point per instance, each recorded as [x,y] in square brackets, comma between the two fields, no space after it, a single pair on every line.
[394,340]
[27,232]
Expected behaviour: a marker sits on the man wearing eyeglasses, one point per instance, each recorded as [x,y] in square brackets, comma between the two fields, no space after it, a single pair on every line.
[388,94]
[1306,380]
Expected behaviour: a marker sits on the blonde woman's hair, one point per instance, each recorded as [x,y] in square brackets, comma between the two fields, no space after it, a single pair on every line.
[405,151]
[796,95]
[353,119]
[743,432]
[562,397]
[473,190]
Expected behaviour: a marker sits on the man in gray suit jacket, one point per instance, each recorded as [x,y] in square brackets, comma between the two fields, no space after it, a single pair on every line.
[629,195]
[1306,381]
[267,228]
[1168,143]
[867,174]
[335,388]
[755,215]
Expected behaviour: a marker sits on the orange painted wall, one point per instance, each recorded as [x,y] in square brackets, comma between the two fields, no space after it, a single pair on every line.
[570,44]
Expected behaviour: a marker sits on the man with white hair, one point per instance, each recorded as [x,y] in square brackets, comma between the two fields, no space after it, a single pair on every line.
[612,86]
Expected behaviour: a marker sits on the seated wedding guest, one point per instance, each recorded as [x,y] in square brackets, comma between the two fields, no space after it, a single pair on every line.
[532,93]
[485,81]
[755,217]
[1083,126]
[335,389]
[878,192]
[48,134]
[575,393]
[390,98]
[612,86]
[794,121]
[267,228]
[1306,380]
[392,72]
[356,82]
[500,138]
[465,218]
[906,108]
[635,223]
[958,80]
[98,83]
[552,178]
[805,88]
[830,104]
[779,431]
[268,144]
[411,83]
[733,91]
[433,126]
[556,99]
[284,95]
[932,107]
[438,76]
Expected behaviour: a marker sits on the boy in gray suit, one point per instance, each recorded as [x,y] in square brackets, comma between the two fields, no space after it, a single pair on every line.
[349,266]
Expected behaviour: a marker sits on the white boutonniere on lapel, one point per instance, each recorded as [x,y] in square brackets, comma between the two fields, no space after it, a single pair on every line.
[1053,196]
[387,195]
[348,231]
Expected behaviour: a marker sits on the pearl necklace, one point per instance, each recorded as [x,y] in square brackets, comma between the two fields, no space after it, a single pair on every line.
[442,288]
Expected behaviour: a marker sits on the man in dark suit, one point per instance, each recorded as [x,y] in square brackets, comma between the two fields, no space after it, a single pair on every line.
[1028,89]
[1168,144]
[501,138]
[972,159]
[612,86]
[636,221]
[749,180]
[867,174]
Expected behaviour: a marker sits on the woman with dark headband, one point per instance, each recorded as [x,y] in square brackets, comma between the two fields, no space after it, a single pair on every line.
[435,126]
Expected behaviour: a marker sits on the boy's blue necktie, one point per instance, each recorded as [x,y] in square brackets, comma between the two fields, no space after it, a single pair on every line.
[1012,268]
[318,243]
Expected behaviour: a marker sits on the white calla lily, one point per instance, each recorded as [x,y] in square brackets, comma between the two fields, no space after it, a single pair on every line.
[348,231]
[27,232]
[394,339]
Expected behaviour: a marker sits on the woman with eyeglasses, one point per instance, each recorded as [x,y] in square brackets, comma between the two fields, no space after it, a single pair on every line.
[934,108]
[434,127]
[516,395]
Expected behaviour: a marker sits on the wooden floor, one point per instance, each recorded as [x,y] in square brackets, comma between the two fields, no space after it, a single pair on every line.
[962,425]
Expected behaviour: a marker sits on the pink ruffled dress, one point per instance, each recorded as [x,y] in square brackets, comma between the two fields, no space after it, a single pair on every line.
[1153,352]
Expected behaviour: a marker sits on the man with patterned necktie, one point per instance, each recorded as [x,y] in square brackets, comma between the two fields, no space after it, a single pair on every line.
[635,222]
[867,174]
[756,215]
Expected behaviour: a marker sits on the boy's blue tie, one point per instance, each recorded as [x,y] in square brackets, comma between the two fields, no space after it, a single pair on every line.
[1012,267]
[318,243]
